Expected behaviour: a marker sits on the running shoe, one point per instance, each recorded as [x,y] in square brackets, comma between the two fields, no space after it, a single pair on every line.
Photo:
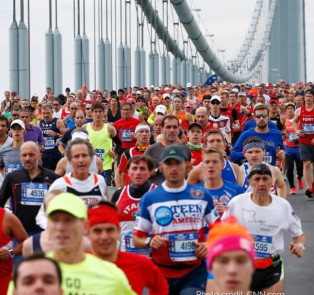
[293,191]
[309,193]
[300,184]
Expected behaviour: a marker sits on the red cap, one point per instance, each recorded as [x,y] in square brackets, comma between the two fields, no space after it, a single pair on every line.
[85,86]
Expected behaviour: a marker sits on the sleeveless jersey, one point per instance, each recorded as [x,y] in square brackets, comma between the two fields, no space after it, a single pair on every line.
[306,124]
[124,161]
[277,122]
[246,186]
[6,266]
[90,197]
[102,142]
[228,172]
[64,113]
[228,113]
[92,168]
[291,135]
[182,121]
[51,149]
[128,207]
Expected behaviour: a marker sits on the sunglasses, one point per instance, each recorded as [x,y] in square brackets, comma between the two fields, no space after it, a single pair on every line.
[73,108]
[262,115]
[215,102]
[274,104]
[15,115]
[88,109]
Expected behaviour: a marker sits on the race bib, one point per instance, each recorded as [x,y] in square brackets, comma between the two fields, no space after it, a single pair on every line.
[126,134]
[33,193]
[49,142]
[292,137]
[262,245]
[100,153]
[129,247]
[11,167]
[308,128]
[267,159]
[181,246]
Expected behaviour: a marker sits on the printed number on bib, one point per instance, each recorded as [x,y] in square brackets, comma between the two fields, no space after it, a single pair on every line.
[182,246]
[126,134]
[33,193]
[49,142]
[267,159]
[262,245]
[292,137]
[308,128]
[129,247]
[100,153]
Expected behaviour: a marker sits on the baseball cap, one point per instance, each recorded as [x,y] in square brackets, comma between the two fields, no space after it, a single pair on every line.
[69,203]
[195,124]
[241,94]
[227,236]
[215,97]
[79,134]
[260,169]
[236,90]
[274,100]
[174,151]
[175,91]
[13,93]
[156,88]
[131,100]
[138,92]
[165,95]
[85,86]
[188,85]
[269,85]
[188,105]
[18,122]
[161,109]
[141,126]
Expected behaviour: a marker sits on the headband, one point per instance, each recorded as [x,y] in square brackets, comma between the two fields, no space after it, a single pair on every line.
[103,214]
[253,144]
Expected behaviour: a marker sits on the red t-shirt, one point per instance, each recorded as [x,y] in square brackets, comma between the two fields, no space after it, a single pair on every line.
[306,124]
[125,128]
[142,272]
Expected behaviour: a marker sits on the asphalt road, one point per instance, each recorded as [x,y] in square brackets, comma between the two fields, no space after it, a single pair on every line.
[298,271]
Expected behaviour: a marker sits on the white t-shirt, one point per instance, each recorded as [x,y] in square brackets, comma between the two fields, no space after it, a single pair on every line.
[265,223]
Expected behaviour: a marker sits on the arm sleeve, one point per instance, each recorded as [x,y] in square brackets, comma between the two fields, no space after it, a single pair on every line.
[236,153]
[115,197]
[234,115]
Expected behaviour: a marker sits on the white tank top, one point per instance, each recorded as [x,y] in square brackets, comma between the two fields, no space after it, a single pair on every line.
[92,168]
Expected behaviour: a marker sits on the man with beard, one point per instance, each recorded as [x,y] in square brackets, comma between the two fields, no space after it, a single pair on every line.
[271,137]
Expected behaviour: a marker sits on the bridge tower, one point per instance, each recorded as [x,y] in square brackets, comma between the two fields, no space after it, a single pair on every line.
[287,56]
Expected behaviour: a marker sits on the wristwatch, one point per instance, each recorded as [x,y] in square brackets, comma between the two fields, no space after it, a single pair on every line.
[11,253]
[147,242]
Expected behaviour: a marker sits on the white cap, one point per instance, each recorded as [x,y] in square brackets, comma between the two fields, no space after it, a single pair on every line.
[165,95]
[161,109]
[156,88]
[236,90]
[175,91]
[18,122]
[167,88]
[79,134]
[215,97]
[242,94]
[188,85]
[141,126]
[152,86]
[138,92]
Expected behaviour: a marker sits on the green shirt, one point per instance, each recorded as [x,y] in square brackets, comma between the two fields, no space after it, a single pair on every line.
[93,276]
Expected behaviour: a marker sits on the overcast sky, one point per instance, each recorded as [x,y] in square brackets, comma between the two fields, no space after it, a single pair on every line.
[228,20]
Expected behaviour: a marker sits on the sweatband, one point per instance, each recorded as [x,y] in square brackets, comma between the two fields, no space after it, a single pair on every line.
[103,214]
[253,144]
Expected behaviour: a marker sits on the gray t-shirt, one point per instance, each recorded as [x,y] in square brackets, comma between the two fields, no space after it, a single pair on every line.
[10,155]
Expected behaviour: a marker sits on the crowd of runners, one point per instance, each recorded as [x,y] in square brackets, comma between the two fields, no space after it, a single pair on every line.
[200,176]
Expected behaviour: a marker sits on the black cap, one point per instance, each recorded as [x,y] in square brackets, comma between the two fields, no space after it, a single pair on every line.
[174,151]
[260,169]
[113,93]
[195,124]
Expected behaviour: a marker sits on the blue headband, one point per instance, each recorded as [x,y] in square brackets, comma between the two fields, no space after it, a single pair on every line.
[253,144]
